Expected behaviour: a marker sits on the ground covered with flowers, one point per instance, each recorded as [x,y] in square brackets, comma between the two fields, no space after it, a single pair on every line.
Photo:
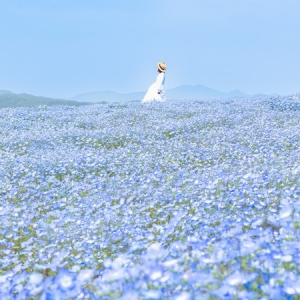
[189,200]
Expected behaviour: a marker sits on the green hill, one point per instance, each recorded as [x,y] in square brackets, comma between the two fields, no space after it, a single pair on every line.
[2,92]
[16,100]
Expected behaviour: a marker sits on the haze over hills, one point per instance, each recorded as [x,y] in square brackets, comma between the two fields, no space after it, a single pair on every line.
[200,92]
[182,92]
[9,99]
[108,96]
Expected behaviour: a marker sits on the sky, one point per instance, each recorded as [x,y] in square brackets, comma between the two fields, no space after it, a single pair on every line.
[60,48]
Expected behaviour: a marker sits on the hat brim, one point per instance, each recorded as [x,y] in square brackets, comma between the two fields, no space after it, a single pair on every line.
[160,68]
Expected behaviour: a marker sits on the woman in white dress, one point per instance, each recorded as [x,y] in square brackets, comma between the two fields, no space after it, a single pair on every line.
[156,91]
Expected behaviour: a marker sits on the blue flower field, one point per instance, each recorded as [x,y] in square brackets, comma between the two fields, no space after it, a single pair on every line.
[187,200]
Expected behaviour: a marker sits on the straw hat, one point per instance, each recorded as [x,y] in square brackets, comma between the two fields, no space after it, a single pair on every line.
[162,67]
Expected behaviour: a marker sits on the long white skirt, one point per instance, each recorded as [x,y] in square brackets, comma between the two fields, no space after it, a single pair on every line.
[152,94]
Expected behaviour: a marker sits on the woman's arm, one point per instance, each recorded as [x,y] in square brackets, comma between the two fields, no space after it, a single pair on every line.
[160,82]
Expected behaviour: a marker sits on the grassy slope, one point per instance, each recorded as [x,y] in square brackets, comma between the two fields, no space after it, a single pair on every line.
[15,100]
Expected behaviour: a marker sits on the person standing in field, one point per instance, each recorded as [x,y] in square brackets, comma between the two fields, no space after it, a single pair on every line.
[156,91]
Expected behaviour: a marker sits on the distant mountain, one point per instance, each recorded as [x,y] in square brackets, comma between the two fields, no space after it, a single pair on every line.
[199,92]
[2,92]
[183,92]
[15,100]
[236,94]
[179,93]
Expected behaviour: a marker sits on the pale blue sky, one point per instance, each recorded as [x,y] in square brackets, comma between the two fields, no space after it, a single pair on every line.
[60,48]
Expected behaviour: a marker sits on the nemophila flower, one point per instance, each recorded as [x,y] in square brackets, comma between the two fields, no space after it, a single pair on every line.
[286,211]
[153,294]
[65,280]
[84,276]
[183,296]
[113,275]
[239,278]
[155,273]
[135,200]
[35,279]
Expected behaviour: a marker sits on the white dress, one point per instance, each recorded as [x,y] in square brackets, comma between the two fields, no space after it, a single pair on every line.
[156,91]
